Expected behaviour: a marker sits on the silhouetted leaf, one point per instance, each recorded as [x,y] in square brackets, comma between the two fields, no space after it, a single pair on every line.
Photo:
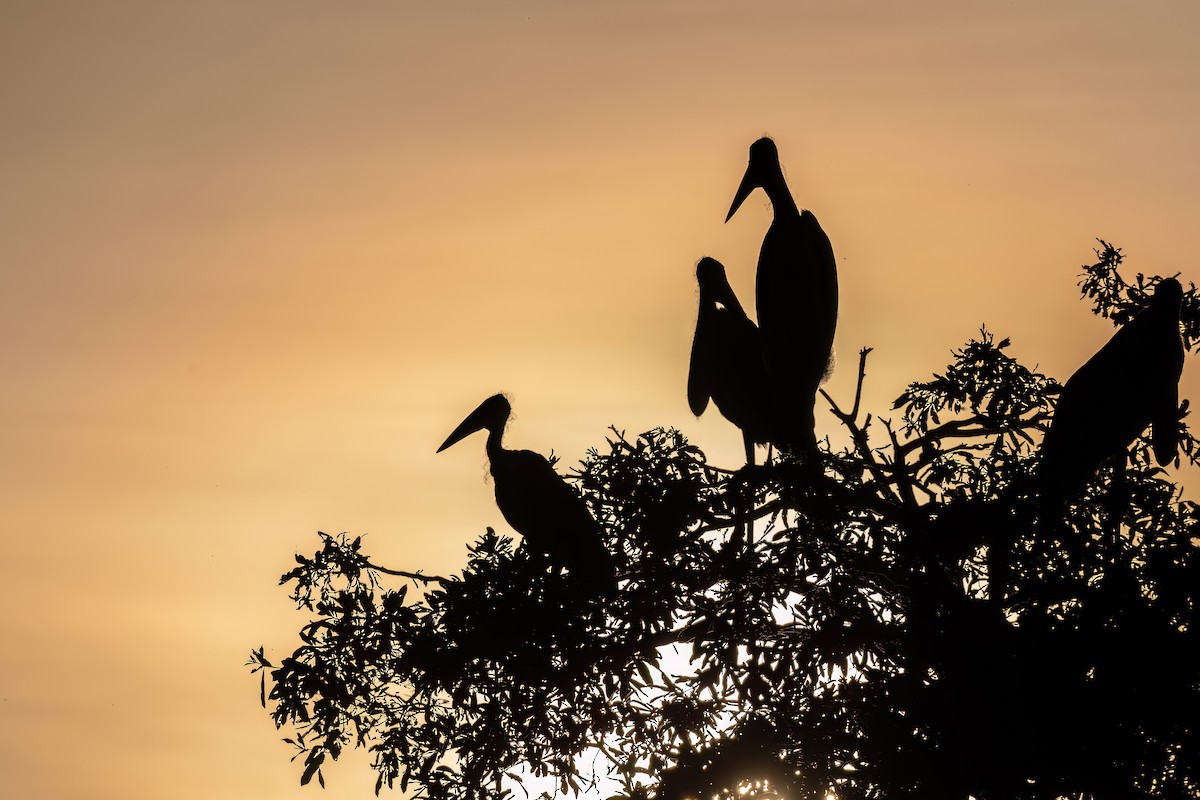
[311,765]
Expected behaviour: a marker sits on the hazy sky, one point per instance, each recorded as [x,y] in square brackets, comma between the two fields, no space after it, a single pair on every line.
[257,259]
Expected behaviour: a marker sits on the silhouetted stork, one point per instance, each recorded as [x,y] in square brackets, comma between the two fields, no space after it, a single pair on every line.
[727,361]
[796,298]
[1132,382]
[536,502]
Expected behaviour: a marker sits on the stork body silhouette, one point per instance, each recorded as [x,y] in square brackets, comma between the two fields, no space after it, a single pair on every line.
[1132,382]
[537,502]
[796,296]
[726,364]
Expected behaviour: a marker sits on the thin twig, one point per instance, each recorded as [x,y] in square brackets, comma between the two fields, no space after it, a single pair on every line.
[859,434]
[901,467]
[862,373]
[851,419]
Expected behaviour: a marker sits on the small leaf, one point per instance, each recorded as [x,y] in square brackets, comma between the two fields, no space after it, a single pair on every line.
[314,763]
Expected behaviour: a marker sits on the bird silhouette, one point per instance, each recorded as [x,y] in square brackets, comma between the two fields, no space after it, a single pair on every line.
[796,299]
[537,502]
[726,364]
[1132,382]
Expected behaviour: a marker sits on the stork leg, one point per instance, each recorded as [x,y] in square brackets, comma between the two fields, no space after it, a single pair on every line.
[747,533]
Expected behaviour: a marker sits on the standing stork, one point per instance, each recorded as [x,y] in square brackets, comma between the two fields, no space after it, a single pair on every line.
[1132,382]
[726,364]
[537,502]
[796,298]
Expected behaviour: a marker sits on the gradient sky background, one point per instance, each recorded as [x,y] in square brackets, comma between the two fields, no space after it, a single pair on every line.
[257,259]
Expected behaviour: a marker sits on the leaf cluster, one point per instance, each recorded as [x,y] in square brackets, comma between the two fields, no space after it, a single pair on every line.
[1116,299]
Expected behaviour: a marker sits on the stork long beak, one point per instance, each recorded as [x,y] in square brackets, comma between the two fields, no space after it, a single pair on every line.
[750,182]
[491,412]
[474,422]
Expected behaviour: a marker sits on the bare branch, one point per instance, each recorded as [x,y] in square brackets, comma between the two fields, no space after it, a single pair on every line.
[412,576]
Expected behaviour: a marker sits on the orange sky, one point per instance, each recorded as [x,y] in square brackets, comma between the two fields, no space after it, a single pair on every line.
[258,259]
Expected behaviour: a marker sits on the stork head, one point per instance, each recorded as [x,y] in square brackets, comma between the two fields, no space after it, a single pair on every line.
[1168,293]
[710,274]
[491,415]
[764,162]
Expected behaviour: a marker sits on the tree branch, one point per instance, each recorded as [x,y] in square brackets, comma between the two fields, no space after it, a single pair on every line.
[962,429]
[412,576]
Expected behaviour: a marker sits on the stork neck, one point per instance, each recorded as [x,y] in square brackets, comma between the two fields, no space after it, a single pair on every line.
[493,441]
[777,190]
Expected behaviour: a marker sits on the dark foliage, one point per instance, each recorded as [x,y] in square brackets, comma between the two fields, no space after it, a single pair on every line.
[862,642]
[1116,299]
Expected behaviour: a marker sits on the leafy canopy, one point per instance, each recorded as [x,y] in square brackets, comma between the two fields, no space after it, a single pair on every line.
[852,645]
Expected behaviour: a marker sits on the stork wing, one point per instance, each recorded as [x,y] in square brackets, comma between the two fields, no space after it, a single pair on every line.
[1165,421]
[556,521]
[538,503]
[698,391]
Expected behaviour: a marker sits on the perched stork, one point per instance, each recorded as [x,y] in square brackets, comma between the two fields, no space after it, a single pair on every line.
[1132,382]
[796,298]
[536,502]
[726,364]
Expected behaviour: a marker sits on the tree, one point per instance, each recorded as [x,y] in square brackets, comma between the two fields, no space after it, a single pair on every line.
[853,645]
